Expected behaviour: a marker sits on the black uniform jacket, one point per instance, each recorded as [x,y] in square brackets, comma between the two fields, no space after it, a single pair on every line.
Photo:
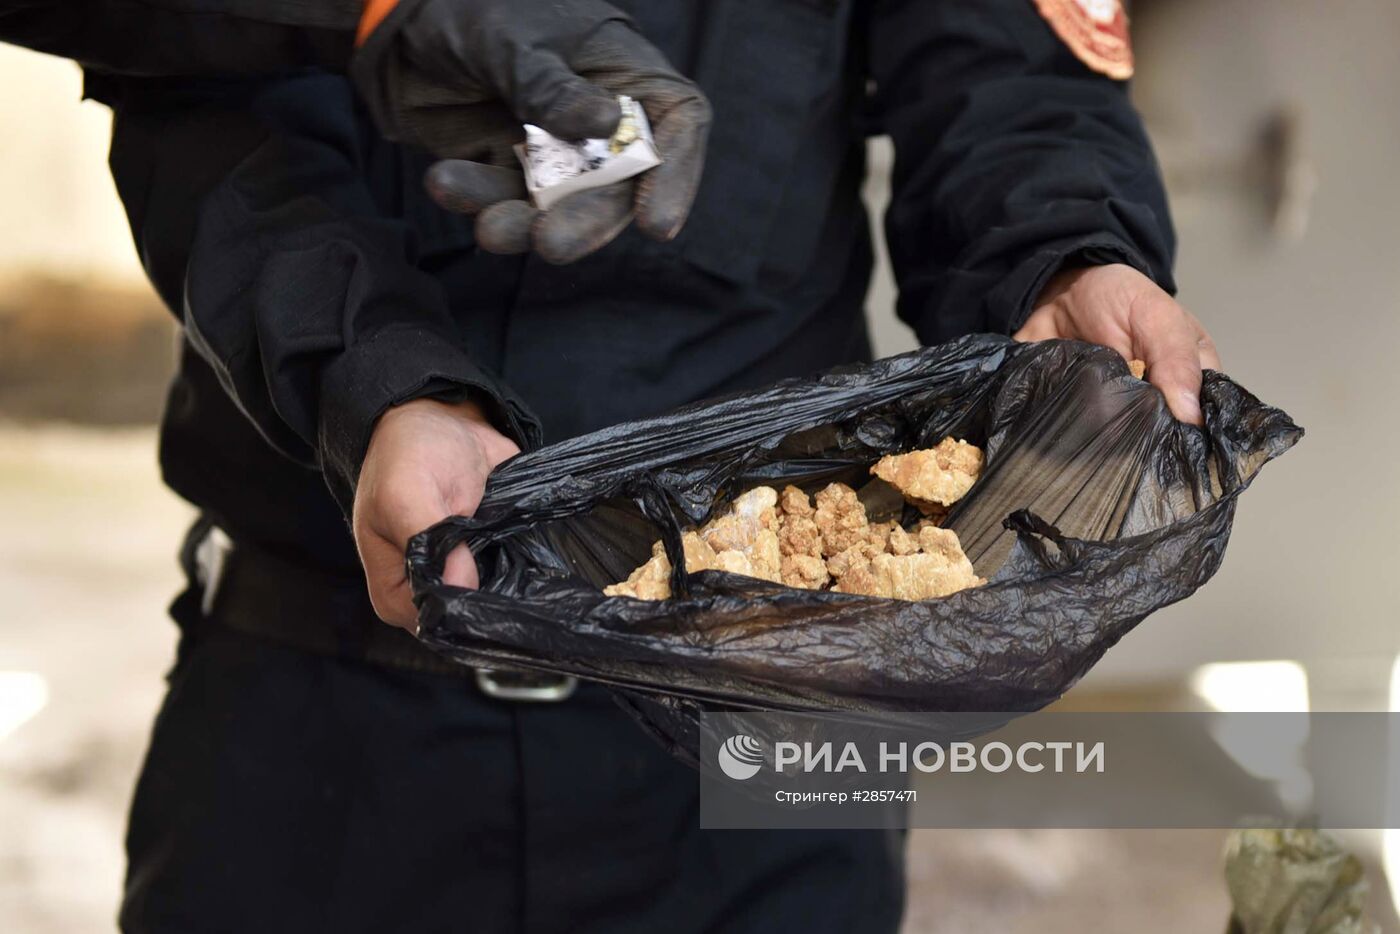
[318,284]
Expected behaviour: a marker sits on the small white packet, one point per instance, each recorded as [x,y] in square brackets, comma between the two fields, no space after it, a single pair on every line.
[555,167]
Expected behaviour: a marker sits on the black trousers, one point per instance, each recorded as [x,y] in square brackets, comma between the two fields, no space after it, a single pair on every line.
[287,791]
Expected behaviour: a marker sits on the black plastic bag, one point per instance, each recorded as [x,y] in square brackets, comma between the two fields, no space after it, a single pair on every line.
[1095,508]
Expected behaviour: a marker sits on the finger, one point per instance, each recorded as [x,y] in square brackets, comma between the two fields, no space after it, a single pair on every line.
[505,227]
[460,569]
[1165,340]
[1205,344]
[389,592]
[550,95]
[470,187]
[394,513]
[1040,326]
[583,222]
[665,193]
[1210,359]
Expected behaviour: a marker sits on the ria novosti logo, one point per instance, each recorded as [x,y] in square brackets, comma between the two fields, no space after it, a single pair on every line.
[741,756]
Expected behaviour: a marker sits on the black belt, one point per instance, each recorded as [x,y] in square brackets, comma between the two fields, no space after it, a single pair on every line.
[259,594]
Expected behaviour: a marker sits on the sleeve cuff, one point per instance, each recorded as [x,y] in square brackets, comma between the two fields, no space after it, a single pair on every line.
[394,366]
[1015,304]
[979,300]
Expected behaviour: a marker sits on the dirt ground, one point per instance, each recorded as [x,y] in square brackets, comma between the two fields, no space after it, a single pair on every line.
[86,545]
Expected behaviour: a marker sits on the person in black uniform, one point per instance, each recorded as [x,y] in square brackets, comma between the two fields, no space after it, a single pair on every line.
[354,350]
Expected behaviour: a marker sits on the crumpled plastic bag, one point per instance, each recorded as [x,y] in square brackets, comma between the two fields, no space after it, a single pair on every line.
[1293,882]
[1094,509]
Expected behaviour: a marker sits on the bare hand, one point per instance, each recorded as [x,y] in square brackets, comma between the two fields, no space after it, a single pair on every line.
[427,460]
[1119,307]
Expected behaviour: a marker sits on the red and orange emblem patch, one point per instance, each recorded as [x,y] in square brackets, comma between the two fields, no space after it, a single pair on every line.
[1096,31]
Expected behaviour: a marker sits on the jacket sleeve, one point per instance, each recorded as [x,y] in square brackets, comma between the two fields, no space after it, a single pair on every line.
[186,37]
[295,284]
[1012,160]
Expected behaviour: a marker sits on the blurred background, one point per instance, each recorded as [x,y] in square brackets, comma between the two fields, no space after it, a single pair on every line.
[1279,140]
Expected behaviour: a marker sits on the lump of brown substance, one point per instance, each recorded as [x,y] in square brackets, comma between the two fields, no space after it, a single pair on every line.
[902,543]
[699,556]
[805,571]
[765,557]
[936,541]
[921,576]
[788,538]
[797,530]
[851,560]
[859,580]
[1138,368]
[739,526]
[794,502]
[734,562]
[940,475]
[744,540]
[937,569]
[651,581]
[840,519]
[878,534]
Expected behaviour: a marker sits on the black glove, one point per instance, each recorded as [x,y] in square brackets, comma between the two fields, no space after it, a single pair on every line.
[459,77]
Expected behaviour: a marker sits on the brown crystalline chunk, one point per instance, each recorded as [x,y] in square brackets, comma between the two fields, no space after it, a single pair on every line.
[902,543]
[921,576]
[765,556]
[843,562]
[735,562]
[744,540]
[851,569]
[699,556]
[940,475]
[805,571]
[651,581]
[795,503]
[936,541]
[879,534]
[1138,368]
[797,530]
[941,569]
[856,575]
[840,519]
[739,526]
[799,536]
[785,538]
[917,567]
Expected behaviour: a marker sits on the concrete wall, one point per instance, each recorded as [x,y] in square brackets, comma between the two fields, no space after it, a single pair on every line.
[58,210]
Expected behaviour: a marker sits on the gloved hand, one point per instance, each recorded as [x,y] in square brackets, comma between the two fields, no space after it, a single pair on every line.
[459,77]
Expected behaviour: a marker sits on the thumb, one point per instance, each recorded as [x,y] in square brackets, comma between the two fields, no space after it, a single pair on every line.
[557,100]
[392,521]
[1165,341]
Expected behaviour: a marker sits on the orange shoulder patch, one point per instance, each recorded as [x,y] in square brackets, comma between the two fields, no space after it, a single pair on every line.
[1095,30]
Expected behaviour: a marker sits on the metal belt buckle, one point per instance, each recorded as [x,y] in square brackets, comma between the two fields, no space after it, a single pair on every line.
[525,686]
